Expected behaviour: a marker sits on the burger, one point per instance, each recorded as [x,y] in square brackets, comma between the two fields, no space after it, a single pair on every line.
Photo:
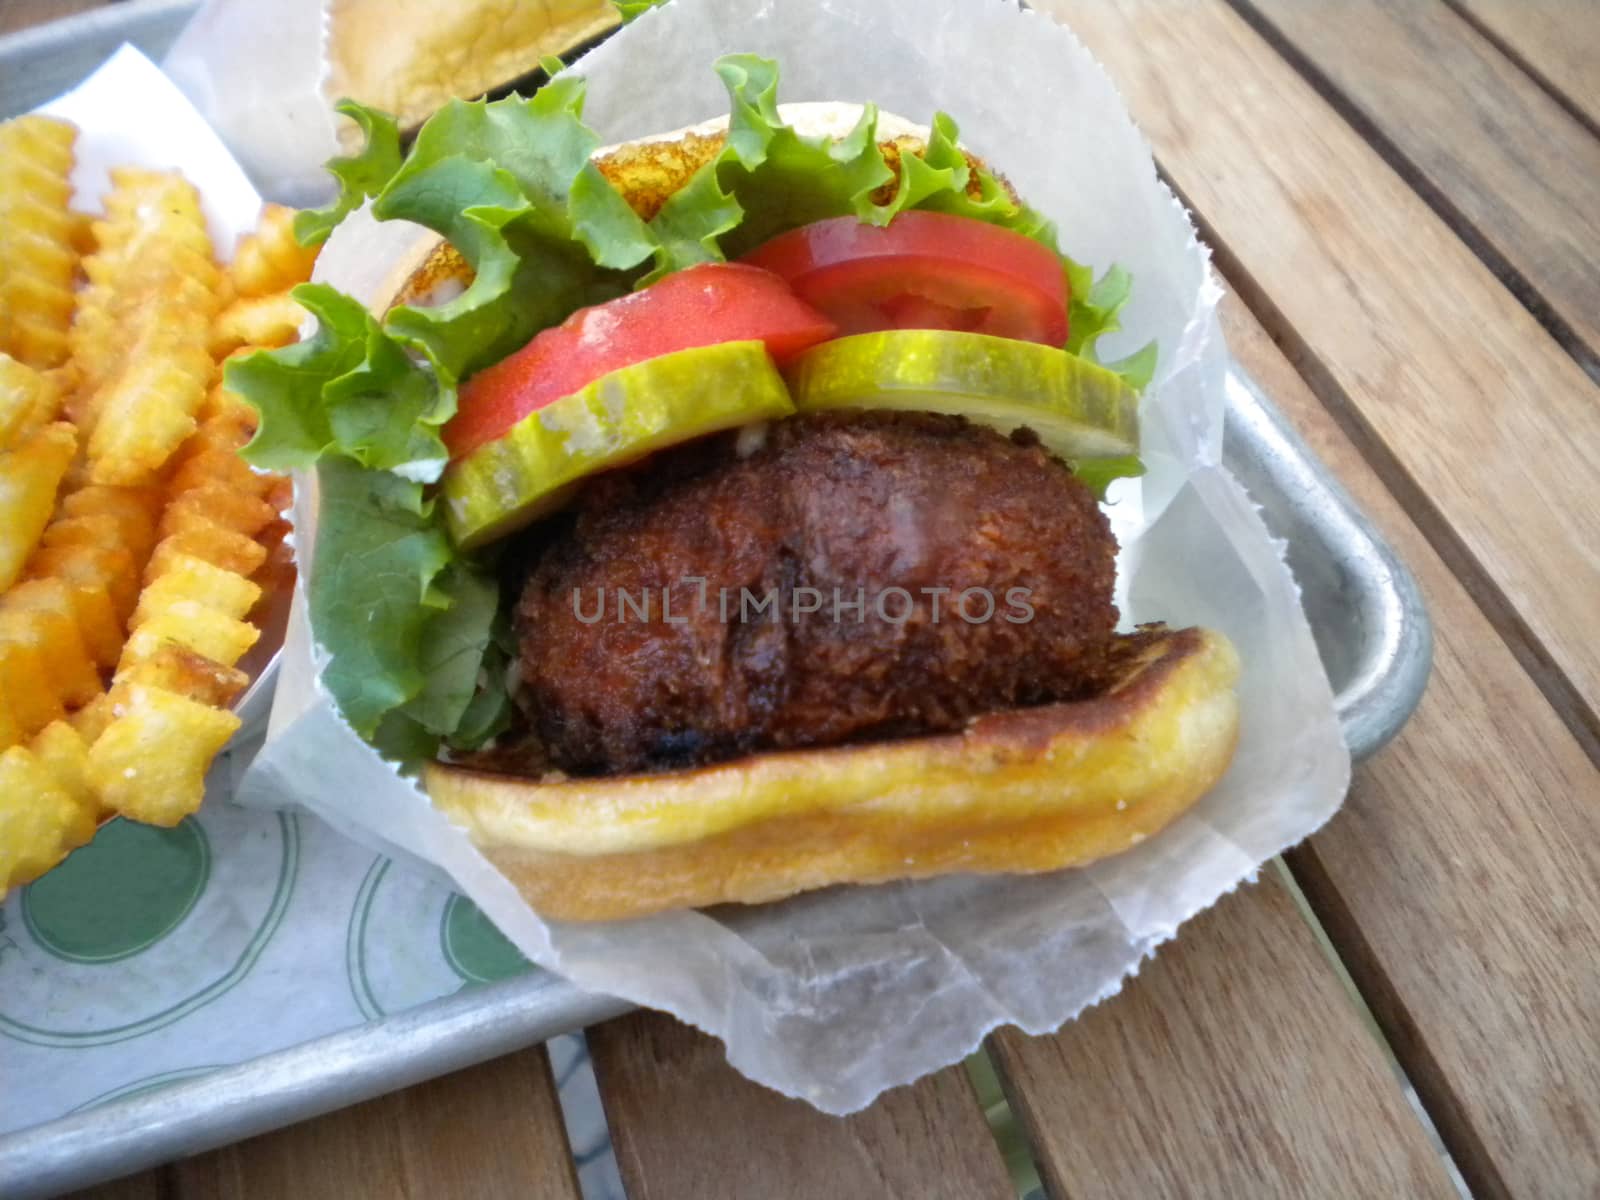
[718,516]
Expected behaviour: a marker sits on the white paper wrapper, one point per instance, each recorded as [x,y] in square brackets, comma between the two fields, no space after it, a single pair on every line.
[256,71]
[128,114]
[838,995]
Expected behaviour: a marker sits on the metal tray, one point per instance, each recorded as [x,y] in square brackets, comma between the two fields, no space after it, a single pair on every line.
[1365,612]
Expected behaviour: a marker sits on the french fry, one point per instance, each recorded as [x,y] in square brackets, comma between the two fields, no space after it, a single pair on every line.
[65,755]
[28,399]
[150,761]
[270,260]
[89,575]
[127,528]
[218,469]
[37,258]
[144,415]
[41,820]
[108,569]
[39,614]
[10,730]
[80,232]
[29,478]
[147,489]
[91,720]
[257,321]
[175,669]
[194,626]
[187,578]
[144,322]
[216,505]
[25,684]
[215,544]
[226,422]
[139,509]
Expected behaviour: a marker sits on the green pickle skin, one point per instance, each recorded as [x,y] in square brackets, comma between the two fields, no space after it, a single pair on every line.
[1079,410]
[532,468]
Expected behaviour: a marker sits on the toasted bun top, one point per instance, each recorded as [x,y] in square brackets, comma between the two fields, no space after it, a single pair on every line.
[409,57]
[649,170]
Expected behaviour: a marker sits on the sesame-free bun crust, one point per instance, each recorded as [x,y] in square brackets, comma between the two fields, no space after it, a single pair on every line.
[1029,790]
[651,169]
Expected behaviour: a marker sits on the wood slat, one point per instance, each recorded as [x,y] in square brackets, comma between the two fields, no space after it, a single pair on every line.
[1461,881]
[147,1185]
[491,1132]
[1489,429]
[20,14]
[686,1126]
[1232,1065]
[1558,40]
[1516,172]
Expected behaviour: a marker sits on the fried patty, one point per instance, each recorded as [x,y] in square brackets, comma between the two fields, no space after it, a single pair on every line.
[1003,561]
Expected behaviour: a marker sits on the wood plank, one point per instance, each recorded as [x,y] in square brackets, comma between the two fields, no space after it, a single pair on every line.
[20,14]
[147,1185]
[686,1126]
[1232,1065]
[491,1131]
[1461,882]
[1486,426]
[1556,40]
[1516,173]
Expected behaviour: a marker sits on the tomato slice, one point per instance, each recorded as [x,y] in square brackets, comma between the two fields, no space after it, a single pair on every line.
[924,270]
[700,306]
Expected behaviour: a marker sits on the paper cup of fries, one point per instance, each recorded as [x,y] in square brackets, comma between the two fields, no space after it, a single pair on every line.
[838,994]
[141,559]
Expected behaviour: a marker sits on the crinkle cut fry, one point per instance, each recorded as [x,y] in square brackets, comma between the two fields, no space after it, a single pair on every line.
[47,806]
[143,331]
[38,260]
[187,519]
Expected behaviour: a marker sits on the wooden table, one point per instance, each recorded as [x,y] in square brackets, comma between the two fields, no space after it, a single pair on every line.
[1404,196]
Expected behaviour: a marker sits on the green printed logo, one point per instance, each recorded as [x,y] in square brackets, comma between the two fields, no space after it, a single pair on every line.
[392,969]
[474,948]
[120,894]
[196,923]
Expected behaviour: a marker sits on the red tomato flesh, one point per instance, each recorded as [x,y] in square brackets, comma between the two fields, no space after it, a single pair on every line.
[700,306]
[924,270]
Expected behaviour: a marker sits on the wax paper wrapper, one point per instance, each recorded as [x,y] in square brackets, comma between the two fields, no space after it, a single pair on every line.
[266,75]
[838,995]
[255,71]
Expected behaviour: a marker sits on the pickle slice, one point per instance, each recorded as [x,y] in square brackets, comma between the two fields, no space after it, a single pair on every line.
[532,468]
[1079,410]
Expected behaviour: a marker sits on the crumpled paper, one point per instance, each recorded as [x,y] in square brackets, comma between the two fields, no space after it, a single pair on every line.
[255,71]
[837,995]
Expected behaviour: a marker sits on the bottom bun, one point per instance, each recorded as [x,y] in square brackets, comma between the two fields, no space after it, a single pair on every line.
[1026,790]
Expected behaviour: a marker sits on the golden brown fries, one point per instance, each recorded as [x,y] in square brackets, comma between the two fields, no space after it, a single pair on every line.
[271,320]
[37,259]
[173,668]
[150,762]
[270,260]
[135,543]
[28,399]
[56,812]
[30,475]
[143,328]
